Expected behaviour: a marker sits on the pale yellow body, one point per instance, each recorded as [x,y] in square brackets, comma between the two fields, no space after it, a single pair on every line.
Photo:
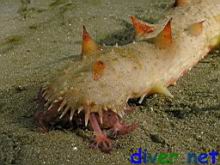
[140,68]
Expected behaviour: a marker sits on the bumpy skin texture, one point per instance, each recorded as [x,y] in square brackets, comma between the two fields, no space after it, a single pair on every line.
[103,81]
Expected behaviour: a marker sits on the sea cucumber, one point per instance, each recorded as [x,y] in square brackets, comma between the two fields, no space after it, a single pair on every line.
[96,88]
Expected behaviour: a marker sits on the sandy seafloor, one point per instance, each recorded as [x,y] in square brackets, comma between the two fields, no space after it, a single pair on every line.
[39,37]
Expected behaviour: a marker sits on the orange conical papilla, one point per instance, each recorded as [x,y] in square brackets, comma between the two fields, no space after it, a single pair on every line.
[89,46]
[164,38]
[196,28]
[141,28]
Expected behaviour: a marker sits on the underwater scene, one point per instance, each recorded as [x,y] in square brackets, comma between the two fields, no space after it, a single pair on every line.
[39,38]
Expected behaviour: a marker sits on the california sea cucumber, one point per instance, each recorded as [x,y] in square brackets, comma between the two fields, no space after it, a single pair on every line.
[96,88]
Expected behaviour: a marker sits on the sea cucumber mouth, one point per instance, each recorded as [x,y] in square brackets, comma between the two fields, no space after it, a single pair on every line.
[105,123]
[52,115]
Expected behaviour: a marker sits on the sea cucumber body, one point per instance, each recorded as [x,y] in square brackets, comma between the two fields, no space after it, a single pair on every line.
[131,71]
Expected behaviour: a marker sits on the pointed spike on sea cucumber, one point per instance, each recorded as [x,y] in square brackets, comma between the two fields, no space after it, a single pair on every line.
[72,114]
[44,93]
[105,108]
[100,116]
[180,3]
[47,104]
[51,106]
[121,114]
[164,38]
[89,46]
[47,97]
[55,101]
[87,114]
[142,98]
[161,89]
[80,109]
[114,110]
[196,28]
[64,112]
[61,106]
[214,42]
[45,87]
[141,28]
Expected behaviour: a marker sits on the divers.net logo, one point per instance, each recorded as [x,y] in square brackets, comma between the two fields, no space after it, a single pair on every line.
[144,157]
